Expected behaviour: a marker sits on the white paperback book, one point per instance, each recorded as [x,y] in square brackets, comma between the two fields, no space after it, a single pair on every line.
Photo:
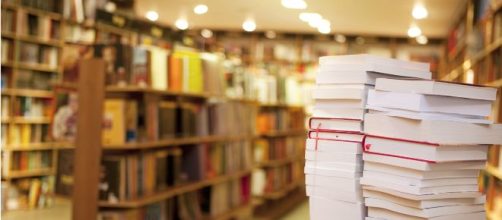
[454,195]
[423,204]
[424,166]
[332,157]
[428,115]
[378,64]
[377,182]
[429,103]
[340,103]
[336,165]
[424,213]
[351,113]
[331,172]
[335,195]
[425,151]
[421,182]
[379,213]
[441,132]
[325,209]
[440,88]
[347,184]
[336,124]
[336,136]
[417,174]
[336,91]
[344,147]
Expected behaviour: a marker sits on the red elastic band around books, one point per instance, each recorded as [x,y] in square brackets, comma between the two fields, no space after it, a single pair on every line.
[347,119]
[366,148]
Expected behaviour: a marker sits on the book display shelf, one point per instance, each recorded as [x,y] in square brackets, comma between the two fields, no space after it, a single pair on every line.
[31,53]
[183,136]
[474,50]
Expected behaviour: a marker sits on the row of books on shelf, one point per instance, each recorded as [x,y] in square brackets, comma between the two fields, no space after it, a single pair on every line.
[206,203]
[278,148]
[283,119]
[26,107]
[31,54]
[23,23]
[26,161]
[138,121]
[267,181]
[28,193]
[24,134]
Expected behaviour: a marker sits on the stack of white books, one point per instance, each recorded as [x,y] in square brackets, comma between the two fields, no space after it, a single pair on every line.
[425,143]
[333,154]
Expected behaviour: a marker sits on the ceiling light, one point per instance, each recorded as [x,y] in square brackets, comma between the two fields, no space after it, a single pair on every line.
[422,39]
[340,38]
[419,12]
[152,15]
[270,34]
[206,33]
[249,25]
[307,16]
[414,31]
[181,24]
[324,29]
[200,9]
[294,4]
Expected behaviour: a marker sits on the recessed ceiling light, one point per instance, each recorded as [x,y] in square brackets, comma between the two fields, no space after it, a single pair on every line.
[200,9]
[249,25]
[270,34]
[422,39]
[414,31]
[419,12]
[181,24]
[340,38]
[294,4]
[308,16]
[206,33]
[152,15]
[324,29]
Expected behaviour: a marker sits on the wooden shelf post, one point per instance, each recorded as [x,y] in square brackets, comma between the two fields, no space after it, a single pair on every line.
[91,92]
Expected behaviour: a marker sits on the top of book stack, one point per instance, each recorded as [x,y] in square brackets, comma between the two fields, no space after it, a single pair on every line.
[364,69]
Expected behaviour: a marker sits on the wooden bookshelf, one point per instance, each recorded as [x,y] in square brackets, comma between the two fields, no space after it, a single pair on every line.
[174,191]
[243,210]
[28,173]
[37,67]
[284,190]
[177,142]
[272,211]
[113,89]
[36,40]
[280,162]
[29,120]
[28,93]
[38,146]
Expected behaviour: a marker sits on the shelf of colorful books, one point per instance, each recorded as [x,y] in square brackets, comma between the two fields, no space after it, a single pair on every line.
[38,146]
[284,190]
[115,89]
[273,134]
[28,173]
[174,191]
[494,171]
[473,60]
[234,213]
[177,142]
[279,162]
[37,40]
[38,67]
[28,93]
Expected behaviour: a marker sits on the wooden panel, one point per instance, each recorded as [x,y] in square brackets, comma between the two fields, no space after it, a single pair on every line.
[88,140]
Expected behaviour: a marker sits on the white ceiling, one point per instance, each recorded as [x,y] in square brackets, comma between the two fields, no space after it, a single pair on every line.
[369,17]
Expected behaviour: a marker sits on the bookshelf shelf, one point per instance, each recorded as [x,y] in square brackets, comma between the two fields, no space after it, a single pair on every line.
[28,120]
[458,71]
[34,11]
[178,190]
[232,213]
[8,64]
[28,173]
[177,142]
[494,171]
[496,83]
[36,40]
[283,192]
[114,89]
[280,162]
[8,35]
[28,93]
[37,67]
[38,146]
[273,134]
